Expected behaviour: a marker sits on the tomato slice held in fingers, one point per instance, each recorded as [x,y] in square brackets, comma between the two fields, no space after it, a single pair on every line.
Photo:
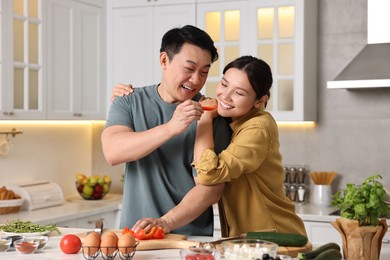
[209,108]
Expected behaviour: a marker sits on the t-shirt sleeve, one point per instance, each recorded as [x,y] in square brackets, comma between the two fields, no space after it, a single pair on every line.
[120,113]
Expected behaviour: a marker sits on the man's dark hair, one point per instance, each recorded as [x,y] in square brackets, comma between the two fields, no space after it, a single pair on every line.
[174,39]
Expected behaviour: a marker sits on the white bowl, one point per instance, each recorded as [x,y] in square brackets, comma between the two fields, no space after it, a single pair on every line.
[244,249]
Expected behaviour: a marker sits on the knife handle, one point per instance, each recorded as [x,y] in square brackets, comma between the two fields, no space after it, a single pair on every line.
[99,227]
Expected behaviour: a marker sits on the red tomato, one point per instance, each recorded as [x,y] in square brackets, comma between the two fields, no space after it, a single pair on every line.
[70,244]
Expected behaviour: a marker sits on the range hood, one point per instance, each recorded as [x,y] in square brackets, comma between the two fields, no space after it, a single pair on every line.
[371,67]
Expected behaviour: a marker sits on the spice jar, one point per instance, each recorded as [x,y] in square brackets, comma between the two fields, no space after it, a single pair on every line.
[292,193]
[292,175]
[301,193]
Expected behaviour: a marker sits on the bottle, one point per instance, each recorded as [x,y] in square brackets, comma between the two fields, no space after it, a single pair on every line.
[292,175]
[301,175]
[292,194]
[301,193]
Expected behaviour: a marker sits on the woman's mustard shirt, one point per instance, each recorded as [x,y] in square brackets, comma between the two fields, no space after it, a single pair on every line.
[251,167]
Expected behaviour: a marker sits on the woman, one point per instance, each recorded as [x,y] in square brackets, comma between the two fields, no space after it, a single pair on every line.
[251,166]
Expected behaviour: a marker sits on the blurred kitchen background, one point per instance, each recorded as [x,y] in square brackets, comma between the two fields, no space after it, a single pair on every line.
[351,133]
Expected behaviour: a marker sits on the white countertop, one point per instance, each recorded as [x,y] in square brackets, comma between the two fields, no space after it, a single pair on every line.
[53,251]
[73,207]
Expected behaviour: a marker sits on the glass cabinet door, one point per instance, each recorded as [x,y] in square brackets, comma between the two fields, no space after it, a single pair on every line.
[226,26]
[27,55]
[22,60]
[275,45]
[283,34]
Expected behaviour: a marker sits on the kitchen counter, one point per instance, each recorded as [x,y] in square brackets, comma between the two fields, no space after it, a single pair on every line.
[53,251]
[73,207]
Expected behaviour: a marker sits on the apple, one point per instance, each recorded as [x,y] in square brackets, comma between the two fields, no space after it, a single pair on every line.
[87,190]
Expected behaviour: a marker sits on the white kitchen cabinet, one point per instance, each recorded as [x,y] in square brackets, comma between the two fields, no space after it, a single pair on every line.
[137,29]
[282,33]
[108,218]
[21,60]
[76,59]
[320,233]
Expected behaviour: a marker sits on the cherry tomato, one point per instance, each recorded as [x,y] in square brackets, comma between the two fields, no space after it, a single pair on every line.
[70,244]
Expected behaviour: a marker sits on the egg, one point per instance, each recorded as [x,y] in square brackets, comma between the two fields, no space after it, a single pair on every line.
[91,243]
[108,244]
[126,244]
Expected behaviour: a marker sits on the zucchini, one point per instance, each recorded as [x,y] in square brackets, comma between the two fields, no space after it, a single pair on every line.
[313,254]
[282,239]
[332,253]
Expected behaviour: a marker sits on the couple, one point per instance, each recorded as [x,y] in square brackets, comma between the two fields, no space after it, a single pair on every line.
[160,131]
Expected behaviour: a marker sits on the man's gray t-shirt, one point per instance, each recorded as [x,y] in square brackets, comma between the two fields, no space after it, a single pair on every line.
[157,182]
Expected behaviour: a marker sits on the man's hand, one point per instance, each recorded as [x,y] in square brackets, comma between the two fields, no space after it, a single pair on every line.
[148,223]
[121,90]
[185,113]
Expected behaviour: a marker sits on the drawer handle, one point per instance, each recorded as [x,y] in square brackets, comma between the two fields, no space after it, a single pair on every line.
[386,241]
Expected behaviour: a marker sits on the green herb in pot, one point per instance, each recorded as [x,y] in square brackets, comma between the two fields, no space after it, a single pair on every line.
[365,203]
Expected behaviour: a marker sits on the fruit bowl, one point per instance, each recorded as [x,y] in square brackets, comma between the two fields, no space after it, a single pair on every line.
[93,187]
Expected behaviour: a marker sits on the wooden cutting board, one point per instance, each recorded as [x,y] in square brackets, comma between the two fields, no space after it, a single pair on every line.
[176,241]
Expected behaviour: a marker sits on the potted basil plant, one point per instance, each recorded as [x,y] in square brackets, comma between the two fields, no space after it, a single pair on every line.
[362,223]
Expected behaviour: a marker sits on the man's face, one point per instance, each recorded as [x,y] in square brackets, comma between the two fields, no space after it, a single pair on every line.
[184,76]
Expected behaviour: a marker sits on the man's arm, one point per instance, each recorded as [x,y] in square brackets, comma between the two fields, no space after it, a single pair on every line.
[121,144]
[194,203]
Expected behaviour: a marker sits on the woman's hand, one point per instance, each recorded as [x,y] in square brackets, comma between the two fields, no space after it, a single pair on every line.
[121,90]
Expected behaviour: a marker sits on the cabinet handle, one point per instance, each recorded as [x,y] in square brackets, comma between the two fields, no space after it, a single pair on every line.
[78,114]
[386,241]
[8,113]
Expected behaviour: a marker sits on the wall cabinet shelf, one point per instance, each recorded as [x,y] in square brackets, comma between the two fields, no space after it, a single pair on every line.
[282,33]
[53,65]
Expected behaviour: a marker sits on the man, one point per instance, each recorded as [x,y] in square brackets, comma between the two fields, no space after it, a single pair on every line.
[153,131]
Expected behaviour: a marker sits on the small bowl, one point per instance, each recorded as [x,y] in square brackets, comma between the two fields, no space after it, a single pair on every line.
[26,247]
[199,253]
[42,240]
[14,238]
[5,243]
[248,249]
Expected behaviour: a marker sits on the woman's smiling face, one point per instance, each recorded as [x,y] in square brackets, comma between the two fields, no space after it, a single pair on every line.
[235,94]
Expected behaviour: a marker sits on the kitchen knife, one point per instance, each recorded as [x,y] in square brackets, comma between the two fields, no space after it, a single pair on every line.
[99,227]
